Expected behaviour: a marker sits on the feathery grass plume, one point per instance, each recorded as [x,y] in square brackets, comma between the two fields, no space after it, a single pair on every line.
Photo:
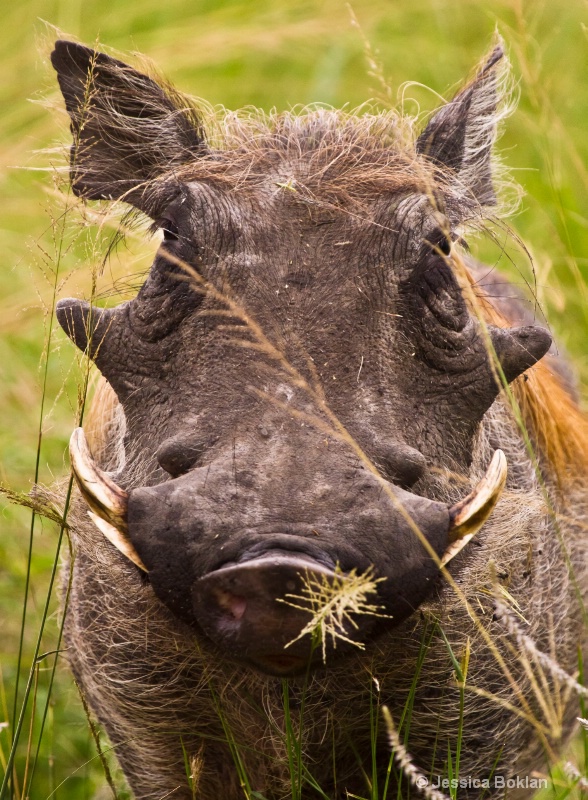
[332,602]
[526,644]
[38,500]
[574,774]
[583,723]
[405,763]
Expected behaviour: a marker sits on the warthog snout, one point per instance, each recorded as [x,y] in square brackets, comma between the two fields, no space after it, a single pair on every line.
[224,547]
[234,557]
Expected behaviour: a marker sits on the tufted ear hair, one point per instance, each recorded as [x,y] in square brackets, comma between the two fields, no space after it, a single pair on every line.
[127,129]
[461,134]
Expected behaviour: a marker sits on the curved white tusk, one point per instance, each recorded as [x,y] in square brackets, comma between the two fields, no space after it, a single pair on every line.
[107,501]
[468,516]
[118,539]
[105,498]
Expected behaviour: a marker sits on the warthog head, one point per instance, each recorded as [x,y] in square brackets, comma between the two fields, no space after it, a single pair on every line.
[301,361]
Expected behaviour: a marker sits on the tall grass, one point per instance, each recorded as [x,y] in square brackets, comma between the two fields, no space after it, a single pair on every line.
[234,53]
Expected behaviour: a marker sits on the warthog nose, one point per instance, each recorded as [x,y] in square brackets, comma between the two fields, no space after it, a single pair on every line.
[256,610]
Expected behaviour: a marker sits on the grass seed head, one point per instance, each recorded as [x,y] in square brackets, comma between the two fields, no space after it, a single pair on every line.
[332,603]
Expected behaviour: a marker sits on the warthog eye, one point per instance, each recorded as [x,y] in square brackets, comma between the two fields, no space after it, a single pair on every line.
[170,230]
[439,242]
[445,246]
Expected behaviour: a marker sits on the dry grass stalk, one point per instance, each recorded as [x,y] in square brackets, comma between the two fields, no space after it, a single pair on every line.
[526,644]
[405,763]
[573,773]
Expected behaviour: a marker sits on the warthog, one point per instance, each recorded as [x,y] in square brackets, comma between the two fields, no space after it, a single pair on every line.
[294,504]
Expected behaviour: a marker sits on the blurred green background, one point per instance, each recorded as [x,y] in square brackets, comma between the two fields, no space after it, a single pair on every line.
[235,52]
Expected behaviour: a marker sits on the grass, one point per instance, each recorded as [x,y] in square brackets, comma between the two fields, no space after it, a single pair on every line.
[235,53]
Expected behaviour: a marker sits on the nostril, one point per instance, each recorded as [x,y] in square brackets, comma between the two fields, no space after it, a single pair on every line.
[233,605]
[402,464]
[179,454]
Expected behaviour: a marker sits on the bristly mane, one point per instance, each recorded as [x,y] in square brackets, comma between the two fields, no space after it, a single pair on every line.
[332,157]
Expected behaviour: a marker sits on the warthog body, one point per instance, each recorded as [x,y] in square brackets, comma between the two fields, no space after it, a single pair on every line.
[308,383]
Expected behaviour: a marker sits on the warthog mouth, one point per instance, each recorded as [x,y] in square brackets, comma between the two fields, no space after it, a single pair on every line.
[285,602]
[278,611]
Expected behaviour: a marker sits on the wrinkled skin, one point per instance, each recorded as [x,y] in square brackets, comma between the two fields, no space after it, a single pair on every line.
[302,384]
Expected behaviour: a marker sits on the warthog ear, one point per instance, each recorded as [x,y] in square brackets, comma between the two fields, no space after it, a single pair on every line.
[127,129]
[461,134]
